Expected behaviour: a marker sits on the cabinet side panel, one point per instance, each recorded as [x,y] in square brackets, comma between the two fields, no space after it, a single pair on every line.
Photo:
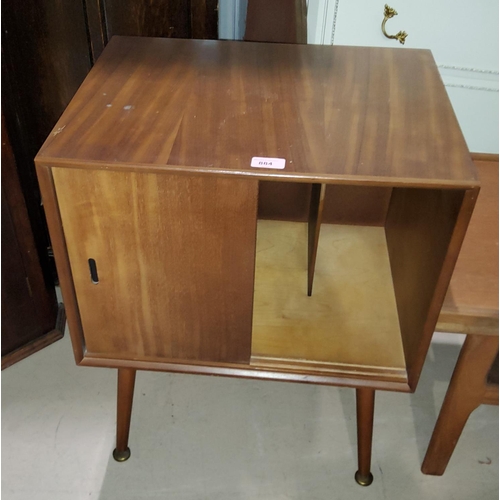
[51,208]
[424,231]
[174,262]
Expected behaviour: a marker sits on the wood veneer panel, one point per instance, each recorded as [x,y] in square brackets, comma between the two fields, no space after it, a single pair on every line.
[352,114]
[351,205]
[38,343]
[96,27]
[484,157]
[290,374]
[51,208]
[261,25]
[205,19]
[172,18]
[356,205]
[45,58]
[20,321]
[288,201]
[152,18]
[175,262]
[29,303]
[313,230]
[467,390]
[471,304]
[350,323]
[424,229]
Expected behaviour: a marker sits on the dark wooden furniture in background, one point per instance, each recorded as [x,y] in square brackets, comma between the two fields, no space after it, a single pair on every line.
[156,18]
[45,58]
[162,132]
[30,319]
[281,21]
[471,307]
[47,50]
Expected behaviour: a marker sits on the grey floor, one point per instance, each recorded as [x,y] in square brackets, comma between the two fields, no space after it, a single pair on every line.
[198,437]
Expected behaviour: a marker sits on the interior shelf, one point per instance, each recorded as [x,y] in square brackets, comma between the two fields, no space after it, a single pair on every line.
[349,326]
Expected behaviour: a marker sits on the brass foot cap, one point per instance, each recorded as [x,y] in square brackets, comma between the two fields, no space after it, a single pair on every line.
[363,480]
[121,456]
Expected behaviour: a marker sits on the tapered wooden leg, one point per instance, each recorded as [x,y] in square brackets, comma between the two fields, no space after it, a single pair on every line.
[126,383]
[314,226]
[465,393]
[365,404]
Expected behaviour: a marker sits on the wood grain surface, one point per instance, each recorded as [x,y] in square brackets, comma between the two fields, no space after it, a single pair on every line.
[151,164]
[125,399]
[39,343]
[284,374]
[351,114]
[175,262]
[424,229]
[356,205]
[261,25]
[29,303]
[313,230]
[352,205]
[175,18]
[467,390]
[45,58]
[365,409]
[51,208]
[349,325]
[471,304]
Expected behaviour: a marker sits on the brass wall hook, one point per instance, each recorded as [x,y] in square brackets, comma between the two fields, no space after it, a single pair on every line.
[400,35]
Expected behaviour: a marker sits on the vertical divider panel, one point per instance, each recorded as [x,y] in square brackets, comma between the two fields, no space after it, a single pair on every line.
[313,230]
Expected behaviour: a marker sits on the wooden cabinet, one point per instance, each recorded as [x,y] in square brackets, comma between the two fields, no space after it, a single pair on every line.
[151,200]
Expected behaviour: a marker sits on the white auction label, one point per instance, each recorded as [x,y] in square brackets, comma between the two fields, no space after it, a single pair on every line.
[263,162]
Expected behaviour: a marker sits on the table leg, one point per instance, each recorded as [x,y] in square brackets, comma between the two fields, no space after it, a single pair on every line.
[465,393]
[365,404]
[126,383]
[313,229]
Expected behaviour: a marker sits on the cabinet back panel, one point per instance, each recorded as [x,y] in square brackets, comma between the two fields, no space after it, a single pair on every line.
[174,262]
[352,205]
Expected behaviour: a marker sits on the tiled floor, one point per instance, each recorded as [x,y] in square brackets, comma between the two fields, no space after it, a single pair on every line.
[198,437]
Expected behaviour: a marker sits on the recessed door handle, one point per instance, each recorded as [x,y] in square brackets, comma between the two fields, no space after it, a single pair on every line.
[93,271]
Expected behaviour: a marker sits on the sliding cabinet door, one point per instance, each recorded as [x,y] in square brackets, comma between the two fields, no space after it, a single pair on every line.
[163,265]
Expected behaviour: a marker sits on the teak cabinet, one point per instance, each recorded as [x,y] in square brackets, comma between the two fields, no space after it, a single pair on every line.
[152,208]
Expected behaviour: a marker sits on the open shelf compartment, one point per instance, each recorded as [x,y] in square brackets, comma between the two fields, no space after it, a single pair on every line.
[349,326]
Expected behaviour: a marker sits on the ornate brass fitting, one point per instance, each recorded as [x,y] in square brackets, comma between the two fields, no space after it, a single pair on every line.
[401,35]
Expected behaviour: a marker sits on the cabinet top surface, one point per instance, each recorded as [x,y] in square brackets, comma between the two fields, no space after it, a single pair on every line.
[334,113]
